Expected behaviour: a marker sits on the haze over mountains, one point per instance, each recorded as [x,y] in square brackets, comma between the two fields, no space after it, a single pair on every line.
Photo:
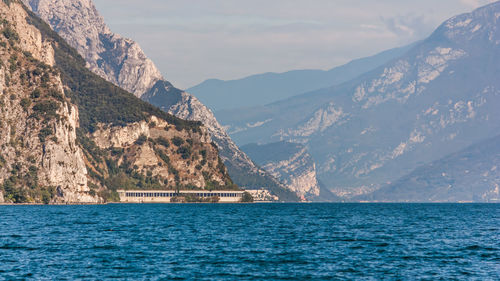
[438,98]
[469,175]
[122,62]
[381,122]
[262,89]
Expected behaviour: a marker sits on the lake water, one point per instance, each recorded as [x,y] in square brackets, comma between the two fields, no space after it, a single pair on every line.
[257,241]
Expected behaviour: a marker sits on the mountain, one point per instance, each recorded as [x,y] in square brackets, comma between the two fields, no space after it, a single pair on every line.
[68,136]
[288,162]
[439,98]
[262,89]
[470,175]
[122,62]
[292,164]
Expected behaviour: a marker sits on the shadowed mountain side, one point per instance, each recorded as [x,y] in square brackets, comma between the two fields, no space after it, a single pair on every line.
[472,174]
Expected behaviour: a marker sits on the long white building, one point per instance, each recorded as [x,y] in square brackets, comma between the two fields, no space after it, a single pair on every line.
[166,196]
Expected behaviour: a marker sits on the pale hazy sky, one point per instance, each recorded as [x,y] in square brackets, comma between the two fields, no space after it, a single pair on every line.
[194,40]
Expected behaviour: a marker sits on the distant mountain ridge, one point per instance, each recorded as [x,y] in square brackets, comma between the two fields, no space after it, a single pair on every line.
[440,97]
[122,62]
[262,89]
[470,175]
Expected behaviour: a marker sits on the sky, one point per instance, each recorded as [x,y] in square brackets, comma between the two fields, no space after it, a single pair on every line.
[194,40]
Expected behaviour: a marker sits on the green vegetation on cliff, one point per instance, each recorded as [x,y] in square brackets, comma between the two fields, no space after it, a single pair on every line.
[99,101]
[35,109]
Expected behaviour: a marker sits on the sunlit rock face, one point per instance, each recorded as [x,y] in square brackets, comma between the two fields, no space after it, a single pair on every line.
[37,151]
[69,136]
[438,98]
[289,162]
[122,62]
[119,60]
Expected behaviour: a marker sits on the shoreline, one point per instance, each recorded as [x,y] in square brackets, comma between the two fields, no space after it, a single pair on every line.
[236,203]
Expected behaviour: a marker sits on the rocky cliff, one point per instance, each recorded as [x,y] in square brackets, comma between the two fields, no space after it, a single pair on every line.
[67,135]
[289,162]
[122,62]
[118,60]
[438,98]
[37,121]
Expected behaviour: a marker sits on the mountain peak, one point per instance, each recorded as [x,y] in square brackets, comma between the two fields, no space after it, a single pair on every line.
[438,98]
[480,24]
[81,25]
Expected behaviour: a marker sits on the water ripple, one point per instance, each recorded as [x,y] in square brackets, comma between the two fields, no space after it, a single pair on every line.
[251,242]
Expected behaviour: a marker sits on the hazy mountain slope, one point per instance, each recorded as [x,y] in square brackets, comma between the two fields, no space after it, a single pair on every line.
[440,97]
[69,136]
[288,162]
[122,62]
[261,89]
[472,174]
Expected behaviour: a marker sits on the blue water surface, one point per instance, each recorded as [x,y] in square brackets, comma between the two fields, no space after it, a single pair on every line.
[251,242]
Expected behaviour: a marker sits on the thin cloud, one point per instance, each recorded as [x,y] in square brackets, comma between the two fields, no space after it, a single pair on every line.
[192,40]
[476,3]
[409,27]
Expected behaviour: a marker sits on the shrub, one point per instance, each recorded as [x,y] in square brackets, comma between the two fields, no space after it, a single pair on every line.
[36,94]
[163,141]
[141,140]
[56,94]
[246,198]
[184,151]
[10,34]
[44,133]
[48,194]
[25,103]
[177,141]
[163,156]
[47,109]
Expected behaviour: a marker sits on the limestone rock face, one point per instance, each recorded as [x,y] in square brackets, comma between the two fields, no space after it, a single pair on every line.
[190,108]
[122,62]
[69,136]
[118,60]
[289,162]
[63,164]
[189,163]
[38,148]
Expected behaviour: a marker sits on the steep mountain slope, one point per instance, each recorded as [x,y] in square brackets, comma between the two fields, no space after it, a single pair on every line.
[262,89]
[118,60]
[288,162]
[440,97]
[69,136]
[122,62]
[472,174]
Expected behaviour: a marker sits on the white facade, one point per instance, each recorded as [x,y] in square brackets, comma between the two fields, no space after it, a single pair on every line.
[165,196]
